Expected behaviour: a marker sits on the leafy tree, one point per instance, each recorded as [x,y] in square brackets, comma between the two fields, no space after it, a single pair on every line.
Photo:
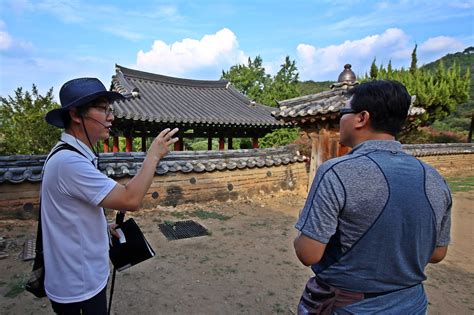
[249,79]
[279,137]
[252,81]
[22,124]
[373,70]
[438,92]
[284,85]
[414,61]
[311,87]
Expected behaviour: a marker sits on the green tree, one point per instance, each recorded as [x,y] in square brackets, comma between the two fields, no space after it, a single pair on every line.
[414,61]
[373,70]
[438,92]
[22,124]
[252,81]
[284,85]
[279,137]
[249,79]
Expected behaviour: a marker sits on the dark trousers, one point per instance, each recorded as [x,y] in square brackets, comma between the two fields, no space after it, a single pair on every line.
[96,305]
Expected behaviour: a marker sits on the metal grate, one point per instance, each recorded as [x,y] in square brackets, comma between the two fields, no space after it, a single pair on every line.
[182,229]
[29,249]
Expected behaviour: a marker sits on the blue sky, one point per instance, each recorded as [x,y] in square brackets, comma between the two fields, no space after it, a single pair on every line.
[47,42]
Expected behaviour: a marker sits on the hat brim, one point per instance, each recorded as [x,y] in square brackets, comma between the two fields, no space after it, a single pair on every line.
[54,117]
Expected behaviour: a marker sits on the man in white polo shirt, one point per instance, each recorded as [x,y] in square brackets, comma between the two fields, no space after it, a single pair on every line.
[73,192]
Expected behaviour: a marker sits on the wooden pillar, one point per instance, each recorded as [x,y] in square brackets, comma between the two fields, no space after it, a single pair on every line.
[115,144]
[229,144]
[255,142]
[106,145]
[342,150]
[221,143]
[179,146]
[209,143]
[469,136]
[314,136]
[128,144]
[143,143]
[324,149]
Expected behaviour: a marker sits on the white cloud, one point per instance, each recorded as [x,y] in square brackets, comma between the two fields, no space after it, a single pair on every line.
[462,4]
[124,33]
[211,54]
[5,40]
[12,46]
[326,63]
[67,10]
[441,44]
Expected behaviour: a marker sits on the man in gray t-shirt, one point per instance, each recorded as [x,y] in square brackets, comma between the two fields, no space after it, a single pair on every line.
[374,218]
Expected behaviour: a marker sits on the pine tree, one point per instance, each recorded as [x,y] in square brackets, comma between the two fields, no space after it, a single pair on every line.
[414,61]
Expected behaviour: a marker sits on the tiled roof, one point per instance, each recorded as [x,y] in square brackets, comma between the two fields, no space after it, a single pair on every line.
[439,149]
[21,168]
[162,99]
[322,105]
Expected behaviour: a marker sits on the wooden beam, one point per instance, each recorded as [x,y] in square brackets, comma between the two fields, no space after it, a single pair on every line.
[115,145]
[221,143]
[314,136]
[255,142]
[471,129]
[209,143]
[128,144]
[179,146]
[106,145]
[229,144]
[143,143]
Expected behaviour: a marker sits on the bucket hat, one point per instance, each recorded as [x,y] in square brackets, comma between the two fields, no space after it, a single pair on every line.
[77,93]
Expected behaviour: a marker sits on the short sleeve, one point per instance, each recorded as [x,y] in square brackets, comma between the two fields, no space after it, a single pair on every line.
[319,217]
[445,228]
[83,181]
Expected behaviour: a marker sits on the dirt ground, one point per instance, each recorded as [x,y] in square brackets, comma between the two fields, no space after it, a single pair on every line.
[247,265]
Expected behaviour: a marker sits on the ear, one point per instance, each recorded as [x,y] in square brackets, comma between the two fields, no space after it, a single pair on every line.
[362,119]
[75,116]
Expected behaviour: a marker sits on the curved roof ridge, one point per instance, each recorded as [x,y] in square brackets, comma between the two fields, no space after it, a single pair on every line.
[170,80]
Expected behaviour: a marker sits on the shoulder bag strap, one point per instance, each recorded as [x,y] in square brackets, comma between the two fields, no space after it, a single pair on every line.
[39,233]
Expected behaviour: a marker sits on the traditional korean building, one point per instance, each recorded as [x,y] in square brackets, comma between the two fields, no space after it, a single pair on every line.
[318,116]
[200,109]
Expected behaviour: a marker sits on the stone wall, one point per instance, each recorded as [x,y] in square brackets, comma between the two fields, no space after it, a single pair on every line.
[451,165]
[450,159]
[171,189]
[208,176]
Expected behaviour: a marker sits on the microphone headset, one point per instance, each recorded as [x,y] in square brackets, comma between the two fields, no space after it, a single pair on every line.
[97,122]
[112,132]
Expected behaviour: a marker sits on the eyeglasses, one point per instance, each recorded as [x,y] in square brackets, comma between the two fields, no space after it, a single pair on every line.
[347,110]
[107,110]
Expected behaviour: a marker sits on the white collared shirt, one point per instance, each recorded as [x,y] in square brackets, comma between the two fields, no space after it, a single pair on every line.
[75,239]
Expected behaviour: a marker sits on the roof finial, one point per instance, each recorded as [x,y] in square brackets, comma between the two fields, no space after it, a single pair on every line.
[347,75]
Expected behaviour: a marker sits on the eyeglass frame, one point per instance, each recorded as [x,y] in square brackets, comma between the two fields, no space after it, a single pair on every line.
[107,109]
[347,110]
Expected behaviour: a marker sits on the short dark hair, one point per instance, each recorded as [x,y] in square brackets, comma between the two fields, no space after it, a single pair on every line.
[387,102]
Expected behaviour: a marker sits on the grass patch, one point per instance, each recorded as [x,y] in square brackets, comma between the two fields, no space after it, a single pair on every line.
[170,223]
[458,184]
[201,214]
[16,286]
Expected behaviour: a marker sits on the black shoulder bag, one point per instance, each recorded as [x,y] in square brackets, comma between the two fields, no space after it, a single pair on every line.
[35,284]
